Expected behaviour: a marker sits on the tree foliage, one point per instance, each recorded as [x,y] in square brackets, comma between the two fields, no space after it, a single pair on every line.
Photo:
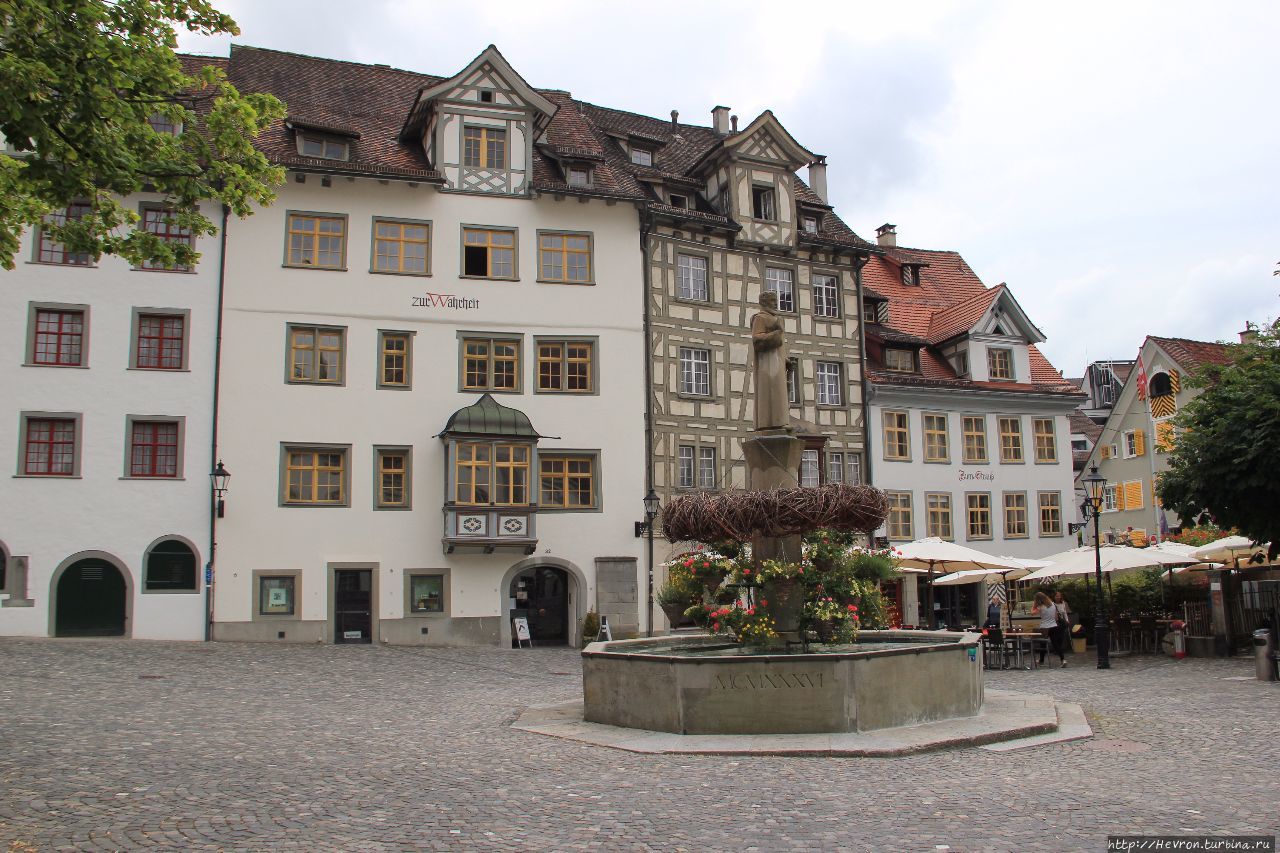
[79,82]
[1227,457]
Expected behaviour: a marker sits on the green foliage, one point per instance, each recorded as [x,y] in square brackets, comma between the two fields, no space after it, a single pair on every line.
[590,627]
[79,80]
[1227,456]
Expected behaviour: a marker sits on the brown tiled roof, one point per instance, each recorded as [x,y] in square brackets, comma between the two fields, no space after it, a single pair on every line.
[1085,425]
[948,300]
[1192,354]
[374,102]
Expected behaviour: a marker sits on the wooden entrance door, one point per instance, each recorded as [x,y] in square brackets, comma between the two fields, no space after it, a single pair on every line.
[353,606]
[90,601]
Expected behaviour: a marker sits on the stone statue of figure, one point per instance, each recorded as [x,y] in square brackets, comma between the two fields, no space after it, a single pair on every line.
[772,405]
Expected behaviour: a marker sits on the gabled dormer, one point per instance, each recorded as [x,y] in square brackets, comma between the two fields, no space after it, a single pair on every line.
[479,126]
[988,335]
[751,175]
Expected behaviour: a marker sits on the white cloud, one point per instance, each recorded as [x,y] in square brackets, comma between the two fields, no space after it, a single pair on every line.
[1113,162]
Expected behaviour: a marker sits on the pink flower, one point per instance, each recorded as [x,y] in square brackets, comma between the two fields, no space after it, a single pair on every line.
[852,609]
[715,626]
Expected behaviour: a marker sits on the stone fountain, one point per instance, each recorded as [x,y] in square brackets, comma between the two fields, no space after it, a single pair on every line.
[707,685]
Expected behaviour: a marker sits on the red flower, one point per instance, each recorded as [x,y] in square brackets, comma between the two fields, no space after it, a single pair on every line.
[852,609]
[688,563]
[705,564]
[764,603]
[746,571]
[751,612]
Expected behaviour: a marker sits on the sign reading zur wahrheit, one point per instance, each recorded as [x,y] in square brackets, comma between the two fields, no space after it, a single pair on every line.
[448,301]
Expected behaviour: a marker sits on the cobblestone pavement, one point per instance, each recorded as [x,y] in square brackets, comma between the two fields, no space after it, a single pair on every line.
[115,745]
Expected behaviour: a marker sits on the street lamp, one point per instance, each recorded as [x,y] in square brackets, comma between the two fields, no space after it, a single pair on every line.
[651,507]
[220,477]
[1094,485]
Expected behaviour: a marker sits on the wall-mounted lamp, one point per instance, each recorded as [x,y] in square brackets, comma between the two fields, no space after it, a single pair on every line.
[220,477]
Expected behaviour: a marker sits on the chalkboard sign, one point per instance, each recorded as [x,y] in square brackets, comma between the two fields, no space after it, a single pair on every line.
[521,626]
[605,634]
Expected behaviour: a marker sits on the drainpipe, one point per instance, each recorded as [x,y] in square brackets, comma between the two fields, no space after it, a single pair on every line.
[646,226]
[858,264]
[213,446]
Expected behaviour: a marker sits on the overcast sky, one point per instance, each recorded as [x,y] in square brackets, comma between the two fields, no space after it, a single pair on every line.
[1117,163]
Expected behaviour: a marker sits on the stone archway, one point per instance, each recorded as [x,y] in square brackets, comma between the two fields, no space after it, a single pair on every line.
[91,595]
[576,604]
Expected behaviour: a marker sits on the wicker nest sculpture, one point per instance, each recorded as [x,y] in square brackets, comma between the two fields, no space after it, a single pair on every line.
[740,515]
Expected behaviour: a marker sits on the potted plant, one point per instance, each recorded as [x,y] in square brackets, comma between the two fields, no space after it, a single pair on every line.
[674,598]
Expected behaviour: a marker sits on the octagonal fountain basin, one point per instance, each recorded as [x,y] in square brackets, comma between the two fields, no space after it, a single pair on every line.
[704,685]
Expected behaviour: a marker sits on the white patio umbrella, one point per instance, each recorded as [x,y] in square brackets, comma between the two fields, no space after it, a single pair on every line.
[980,575]
[938,555]
[1115,558]
[1230,549]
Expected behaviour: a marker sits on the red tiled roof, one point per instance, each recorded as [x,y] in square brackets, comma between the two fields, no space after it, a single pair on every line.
[962,316]
[1192,354]
[949,299]
[374,101]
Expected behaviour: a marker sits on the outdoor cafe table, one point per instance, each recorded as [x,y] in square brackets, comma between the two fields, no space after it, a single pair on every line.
[1017,641]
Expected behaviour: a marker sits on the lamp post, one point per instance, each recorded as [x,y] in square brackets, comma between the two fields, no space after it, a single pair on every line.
[1094,485]
[651,507]
[220,477]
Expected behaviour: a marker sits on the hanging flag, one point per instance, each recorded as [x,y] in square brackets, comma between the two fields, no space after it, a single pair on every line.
[1142,379]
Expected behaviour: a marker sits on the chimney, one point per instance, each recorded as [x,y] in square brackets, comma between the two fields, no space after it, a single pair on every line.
[1250,334]
[733,122]
[675,118]
[818,178]
[720,120]
[887,235]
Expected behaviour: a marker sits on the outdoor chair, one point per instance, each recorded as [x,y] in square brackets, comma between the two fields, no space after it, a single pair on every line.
[1149,634]
[994,649]
[1121,635]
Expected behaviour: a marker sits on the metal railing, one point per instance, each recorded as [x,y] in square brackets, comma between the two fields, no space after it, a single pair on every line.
[1196,615]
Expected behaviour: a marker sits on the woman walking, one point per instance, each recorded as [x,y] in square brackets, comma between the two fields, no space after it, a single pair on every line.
[1048,613]
[1064,619]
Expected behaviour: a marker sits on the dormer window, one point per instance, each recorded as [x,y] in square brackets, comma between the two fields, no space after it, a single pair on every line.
[324,148]
[578,176]
[641,156]
[161,123]
[899,360]
[484,147]
[809,224]
[911,275]
[870,313]
[960,361]
[764,203]
[680,201]
[1000,364]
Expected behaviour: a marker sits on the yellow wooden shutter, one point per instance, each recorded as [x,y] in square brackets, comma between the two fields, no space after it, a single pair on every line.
[1133,494]
[1120,498]
[1139,442]
[1164,437]
[1106,451]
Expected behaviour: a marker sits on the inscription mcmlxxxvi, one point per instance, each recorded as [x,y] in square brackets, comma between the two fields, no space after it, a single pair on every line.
[765,681]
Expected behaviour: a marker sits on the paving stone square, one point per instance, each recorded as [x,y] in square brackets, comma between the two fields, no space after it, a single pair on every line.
[124,745]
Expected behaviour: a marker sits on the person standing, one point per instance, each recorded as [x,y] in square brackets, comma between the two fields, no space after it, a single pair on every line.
[1048,612]
[1064,619]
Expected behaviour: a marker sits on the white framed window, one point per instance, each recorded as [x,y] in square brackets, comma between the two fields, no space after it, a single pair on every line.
[938,515]
[684,467]
[899,360]
[707,468]
[793,381]
[783,283]
[826,295]
[809,469]
[854,463]
[835,467]
[1109,501]
[870,313]
[641,156]
[764,203]
[910,275]
[809,224]
[829,383]
[680,201]
[692,283]
[695,371]
[578,176]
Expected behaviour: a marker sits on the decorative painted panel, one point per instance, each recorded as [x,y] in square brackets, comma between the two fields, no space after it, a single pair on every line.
[473,525]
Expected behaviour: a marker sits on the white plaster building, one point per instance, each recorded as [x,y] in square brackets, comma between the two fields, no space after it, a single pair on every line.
[433,404]
[107,373]
[969,422]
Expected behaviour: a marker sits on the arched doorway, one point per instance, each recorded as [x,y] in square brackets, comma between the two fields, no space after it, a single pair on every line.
[540,594]
[91,600]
